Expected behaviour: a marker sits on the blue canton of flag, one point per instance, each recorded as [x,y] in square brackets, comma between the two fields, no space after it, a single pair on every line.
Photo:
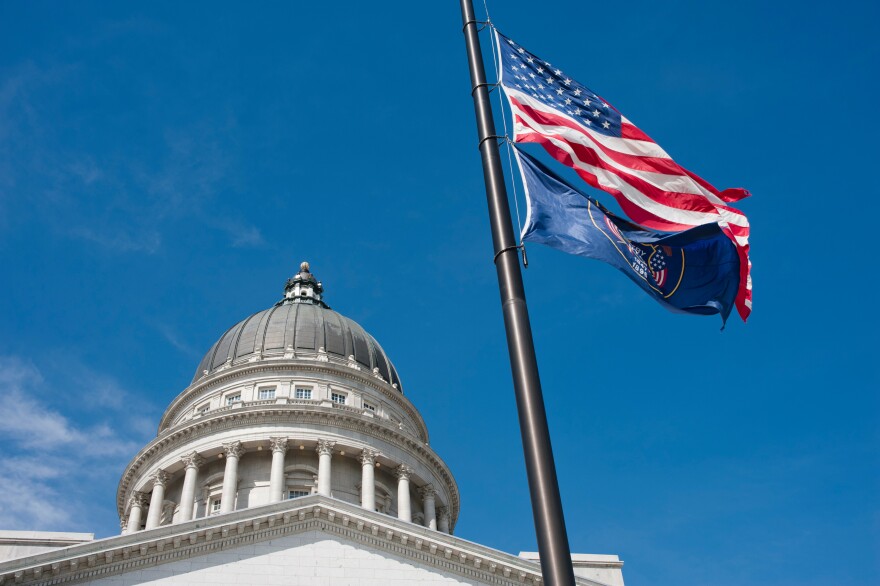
[695,271]
[549,85]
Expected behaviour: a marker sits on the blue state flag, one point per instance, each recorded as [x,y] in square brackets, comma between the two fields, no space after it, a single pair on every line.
[695,271]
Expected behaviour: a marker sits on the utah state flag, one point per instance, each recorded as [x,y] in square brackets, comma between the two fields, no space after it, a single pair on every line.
[695,271]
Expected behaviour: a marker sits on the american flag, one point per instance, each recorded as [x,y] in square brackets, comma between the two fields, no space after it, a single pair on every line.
[582,130]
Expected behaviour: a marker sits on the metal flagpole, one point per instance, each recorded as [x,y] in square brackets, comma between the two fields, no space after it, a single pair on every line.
[546,505]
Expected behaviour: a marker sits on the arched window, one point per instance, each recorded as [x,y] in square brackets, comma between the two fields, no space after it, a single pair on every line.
[300,481]
[212,489]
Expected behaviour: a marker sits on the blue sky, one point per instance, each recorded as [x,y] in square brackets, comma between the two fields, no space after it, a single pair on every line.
[165,167]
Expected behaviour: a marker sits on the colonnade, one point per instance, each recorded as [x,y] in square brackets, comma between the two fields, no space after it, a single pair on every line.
[435,517]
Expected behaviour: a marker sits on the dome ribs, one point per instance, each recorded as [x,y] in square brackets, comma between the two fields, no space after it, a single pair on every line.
[361,349]
[381,360]
[346,336]
[205,364]
[395,380]
[290,325]
[224,345]
[260,338]
[334,339]
[247,338]
[273,336]
[306,328]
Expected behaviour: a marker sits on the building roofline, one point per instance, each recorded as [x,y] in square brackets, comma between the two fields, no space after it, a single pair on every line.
[169,543]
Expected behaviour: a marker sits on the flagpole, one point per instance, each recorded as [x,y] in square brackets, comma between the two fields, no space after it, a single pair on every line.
[553,546]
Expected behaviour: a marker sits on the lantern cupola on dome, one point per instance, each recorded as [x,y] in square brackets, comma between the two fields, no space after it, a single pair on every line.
[303,287]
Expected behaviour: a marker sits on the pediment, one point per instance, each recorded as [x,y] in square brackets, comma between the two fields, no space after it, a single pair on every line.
[309,537]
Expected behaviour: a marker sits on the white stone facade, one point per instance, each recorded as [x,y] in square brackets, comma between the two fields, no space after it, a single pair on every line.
[223,549]
[310,559]
[199,442]
[19,544]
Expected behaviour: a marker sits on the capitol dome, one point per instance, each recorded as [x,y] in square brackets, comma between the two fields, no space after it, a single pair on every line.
[300,324]
[292,401]
[293,457]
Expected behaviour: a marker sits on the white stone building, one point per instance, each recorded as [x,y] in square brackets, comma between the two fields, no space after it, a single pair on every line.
[293,457]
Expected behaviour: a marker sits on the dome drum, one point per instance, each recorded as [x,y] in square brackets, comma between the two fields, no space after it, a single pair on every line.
[301,452]
[365,392]
[255,434]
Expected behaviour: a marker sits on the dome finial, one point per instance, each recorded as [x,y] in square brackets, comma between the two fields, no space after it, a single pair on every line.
[303,287]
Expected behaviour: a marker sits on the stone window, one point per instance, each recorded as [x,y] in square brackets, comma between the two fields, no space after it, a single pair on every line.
[370,407]
[233,398]
[266,393]
[203,409]
[338,398]
[215,505]
[303,393]
[301,481]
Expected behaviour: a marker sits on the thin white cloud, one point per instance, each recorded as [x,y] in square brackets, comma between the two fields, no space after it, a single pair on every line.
[243,235]
[55,457]
[113,200]
[44,506]
[249,236]
[86,170]
[175,340]
[148,241]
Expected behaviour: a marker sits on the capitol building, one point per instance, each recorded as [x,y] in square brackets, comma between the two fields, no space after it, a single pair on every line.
[292,457]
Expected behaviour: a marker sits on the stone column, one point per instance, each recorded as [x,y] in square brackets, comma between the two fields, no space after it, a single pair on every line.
[157,499]
[230,476]
[135,511]
[428,493]
[404,507]
[325,452]
[123,526]
[442,519]
[368,479]
[276,478]
[192,461]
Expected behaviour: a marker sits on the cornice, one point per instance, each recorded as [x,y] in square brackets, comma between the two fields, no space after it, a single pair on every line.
[117,555]
[249,416]
[306,365]
[144,549]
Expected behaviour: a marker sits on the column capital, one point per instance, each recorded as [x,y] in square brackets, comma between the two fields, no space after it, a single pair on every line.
[123,524]
[368,456]
[233,449]
[278,444]
[160,478]
[442,511]
[325,447]
[403,472]
[427,491]
[193,460]
[137,499]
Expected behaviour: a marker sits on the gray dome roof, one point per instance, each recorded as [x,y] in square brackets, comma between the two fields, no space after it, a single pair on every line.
[301,322]
[303,327]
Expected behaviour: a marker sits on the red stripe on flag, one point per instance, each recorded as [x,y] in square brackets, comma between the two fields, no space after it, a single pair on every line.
[730,194]
[672,199]
[627,130]
[635,213]
[636,163]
